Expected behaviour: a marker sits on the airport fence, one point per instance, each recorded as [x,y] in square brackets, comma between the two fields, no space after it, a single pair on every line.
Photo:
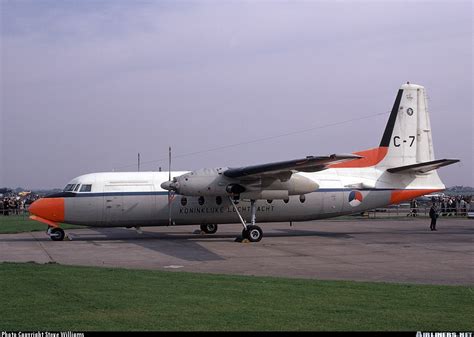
[14,211]
[404,210]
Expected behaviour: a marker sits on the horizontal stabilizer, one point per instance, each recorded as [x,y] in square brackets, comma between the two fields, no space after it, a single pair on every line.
[423,167]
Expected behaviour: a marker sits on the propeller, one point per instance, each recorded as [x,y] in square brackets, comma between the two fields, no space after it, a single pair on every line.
[169,190]
[171,186]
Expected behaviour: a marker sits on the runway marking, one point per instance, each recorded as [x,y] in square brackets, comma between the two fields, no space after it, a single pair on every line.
[173,267]
[42,247]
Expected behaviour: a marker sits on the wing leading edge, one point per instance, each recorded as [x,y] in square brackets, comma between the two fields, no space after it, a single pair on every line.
[308,164]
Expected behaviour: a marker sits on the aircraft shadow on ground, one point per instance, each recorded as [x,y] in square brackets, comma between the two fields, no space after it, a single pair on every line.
[127,234]
[185,246]
[164,243]
[118,233]
[181,245]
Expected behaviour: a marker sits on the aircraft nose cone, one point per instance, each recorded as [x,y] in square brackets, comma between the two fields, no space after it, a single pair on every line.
[48,208]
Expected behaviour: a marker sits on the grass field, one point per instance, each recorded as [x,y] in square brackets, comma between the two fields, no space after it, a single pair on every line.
[21,223]
[55,297]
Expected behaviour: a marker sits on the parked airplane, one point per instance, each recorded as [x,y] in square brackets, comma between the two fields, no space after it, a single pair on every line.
[432,196]
[401,168]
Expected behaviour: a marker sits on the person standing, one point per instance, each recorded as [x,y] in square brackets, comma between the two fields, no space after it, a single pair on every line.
[443,207]
[415,207]
[6,207]
[433,216]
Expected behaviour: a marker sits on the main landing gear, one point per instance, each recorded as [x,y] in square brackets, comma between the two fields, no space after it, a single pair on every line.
[209,228]
[56,233]
[251,232]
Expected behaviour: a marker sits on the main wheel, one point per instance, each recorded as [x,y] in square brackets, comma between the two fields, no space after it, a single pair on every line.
[254,233]
[209,228]
[57,234]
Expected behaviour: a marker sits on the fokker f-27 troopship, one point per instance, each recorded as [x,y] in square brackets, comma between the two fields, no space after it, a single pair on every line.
[316,187]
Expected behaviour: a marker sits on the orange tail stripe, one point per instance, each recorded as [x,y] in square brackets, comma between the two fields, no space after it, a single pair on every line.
[370,158]
[404,195]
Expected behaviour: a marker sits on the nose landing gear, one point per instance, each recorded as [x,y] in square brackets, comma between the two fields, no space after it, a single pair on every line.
[56,233]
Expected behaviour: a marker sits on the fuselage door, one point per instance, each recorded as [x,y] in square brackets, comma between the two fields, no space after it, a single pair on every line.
[113,204]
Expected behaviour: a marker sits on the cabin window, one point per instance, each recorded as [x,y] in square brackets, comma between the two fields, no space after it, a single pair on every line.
[286,200]
[184,201]
[201,200]
[218,200]
[77,187]
[302,198]
[269,201]
[86,188]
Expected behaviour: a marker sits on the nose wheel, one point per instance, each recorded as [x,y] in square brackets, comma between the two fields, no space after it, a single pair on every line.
[56,233]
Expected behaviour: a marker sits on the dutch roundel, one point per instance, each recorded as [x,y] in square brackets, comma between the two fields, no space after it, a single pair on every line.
[355,198]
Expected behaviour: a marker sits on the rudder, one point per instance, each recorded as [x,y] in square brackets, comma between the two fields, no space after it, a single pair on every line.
[407,136]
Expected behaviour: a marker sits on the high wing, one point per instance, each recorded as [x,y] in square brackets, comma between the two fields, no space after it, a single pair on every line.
[308,164]
[266,181]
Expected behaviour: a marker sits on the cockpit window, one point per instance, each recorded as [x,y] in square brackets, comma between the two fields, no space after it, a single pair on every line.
[69,187]
[77,187]
[86,188]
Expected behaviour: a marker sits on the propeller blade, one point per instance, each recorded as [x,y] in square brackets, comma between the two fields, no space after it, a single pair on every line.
[169,189]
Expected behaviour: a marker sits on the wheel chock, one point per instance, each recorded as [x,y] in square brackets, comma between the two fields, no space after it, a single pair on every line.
[241,240]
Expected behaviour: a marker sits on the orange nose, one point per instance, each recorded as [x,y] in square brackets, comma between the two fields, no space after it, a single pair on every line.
[48,208]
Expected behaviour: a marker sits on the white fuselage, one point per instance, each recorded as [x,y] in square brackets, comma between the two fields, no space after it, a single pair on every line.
[136,199]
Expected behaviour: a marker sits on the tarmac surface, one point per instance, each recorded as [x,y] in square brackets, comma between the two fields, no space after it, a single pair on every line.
[401,251]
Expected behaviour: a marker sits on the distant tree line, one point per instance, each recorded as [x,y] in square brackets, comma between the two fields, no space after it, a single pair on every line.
[459,189]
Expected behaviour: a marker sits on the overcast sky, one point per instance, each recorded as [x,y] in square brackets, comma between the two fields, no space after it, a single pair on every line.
[86,85]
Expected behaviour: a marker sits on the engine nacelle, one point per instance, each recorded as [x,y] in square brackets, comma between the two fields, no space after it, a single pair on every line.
[235,189]
[205,182]
[212,182]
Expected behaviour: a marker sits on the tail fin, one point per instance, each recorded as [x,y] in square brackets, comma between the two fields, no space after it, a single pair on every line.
[406,145]
[407,135]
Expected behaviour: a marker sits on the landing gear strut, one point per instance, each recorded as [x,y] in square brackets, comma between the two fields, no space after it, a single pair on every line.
[56,233]
[209,228]
[251,232]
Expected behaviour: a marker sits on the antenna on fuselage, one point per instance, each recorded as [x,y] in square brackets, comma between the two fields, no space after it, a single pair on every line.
[169,191]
